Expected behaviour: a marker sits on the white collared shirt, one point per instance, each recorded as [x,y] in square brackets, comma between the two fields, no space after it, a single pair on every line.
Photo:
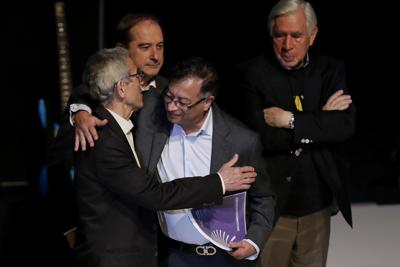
[147,87]
[186,156]
[127,127]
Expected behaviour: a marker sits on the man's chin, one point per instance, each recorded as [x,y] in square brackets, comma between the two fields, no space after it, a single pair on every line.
[290,64]
[151,71]
[173,118]
[139,106]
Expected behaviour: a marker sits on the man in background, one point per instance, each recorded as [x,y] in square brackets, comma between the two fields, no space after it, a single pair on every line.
[299,103]
[141,34]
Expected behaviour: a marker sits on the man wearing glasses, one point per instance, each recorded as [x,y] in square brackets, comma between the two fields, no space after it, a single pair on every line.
[191,136]
[114,194]
[141,34]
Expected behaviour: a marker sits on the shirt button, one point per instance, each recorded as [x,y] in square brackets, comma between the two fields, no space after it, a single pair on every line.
[289,179]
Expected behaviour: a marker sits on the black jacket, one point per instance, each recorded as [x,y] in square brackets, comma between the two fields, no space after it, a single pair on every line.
[264,83]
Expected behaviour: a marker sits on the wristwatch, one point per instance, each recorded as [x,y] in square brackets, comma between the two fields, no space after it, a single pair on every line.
[291,122]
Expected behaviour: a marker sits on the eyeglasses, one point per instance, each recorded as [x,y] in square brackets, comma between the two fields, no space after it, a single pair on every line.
[182,103]
[139,75]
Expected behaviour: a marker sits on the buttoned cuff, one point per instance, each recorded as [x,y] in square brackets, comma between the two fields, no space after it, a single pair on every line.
[69,231]
[73,108]
[255,255]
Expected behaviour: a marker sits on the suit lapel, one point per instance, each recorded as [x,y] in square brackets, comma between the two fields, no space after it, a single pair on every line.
[157,146]
[221,146]
[113,126]
[112,123]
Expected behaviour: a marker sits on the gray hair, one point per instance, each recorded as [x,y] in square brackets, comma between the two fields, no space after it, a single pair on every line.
[284,7]
[103,70]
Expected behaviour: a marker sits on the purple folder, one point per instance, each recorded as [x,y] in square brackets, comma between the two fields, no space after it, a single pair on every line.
[223,223]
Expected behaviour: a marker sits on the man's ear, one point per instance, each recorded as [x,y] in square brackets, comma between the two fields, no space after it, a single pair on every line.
[313,35]
[208,102]
[120,88]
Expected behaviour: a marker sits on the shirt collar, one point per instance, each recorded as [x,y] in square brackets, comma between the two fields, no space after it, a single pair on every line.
[302,66]
[205,129]
[126,125]
[152,83]
[306,61]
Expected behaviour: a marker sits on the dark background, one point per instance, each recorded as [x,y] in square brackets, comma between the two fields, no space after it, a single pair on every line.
[226,34]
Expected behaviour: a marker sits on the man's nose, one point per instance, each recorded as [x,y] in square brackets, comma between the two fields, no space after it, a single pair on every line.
[288,43]
[171,105]
[154,54]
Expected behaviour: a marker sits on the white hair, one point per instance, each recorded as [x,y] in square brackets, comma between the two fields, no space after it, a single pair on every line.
[103,70]
[284,7]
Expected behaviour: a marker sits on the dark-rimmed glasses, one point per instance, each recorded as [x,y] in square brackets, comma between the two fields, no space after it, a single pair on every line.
[182,103]
[139,75]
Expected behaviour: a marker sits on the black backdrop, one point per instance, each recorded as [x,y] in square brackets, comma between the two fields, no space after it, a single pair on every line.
[225,33]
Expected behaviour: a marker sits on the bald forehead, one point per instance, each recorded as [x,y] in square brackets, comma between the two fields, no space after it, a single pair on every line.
[147,31]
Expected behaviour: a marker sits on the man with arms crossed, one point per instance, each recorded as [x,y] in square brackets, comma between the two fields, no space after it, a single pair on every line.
[299,103]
